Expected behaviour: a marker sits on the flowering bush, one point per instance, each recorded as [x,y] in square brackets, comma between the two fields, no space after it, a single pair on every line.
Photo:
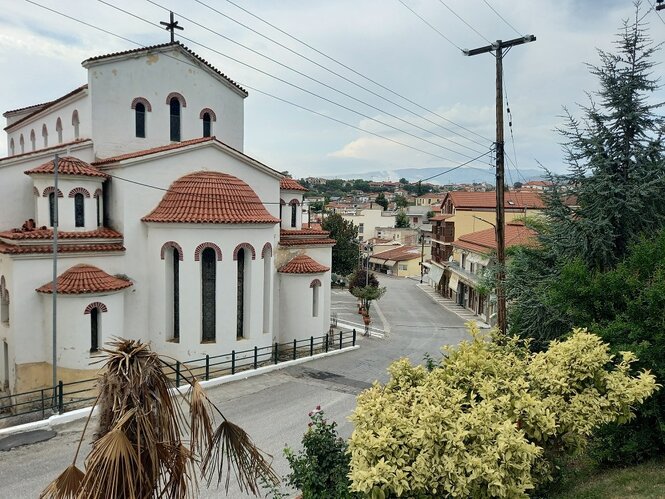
[486,422]
[320,470]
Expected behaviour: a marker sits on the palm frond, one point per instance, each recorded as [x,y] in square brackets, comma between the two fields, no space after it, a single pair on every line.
[200,410]
[232,450]
[66,486]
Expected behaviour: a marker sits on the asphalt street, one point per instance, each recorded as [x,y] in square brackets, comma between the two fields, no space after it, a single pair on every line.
[274,407]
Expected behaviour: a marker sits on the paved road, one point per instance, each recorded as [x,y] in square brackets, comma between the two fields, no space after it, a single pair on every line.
[273,407]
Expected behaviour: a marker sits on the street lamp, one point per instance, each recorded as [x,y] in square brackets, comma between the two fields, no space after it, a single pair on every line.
[422,255]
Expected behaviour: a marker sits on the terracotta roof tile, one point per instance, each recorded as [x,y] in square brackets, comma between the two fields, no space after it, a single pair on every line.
[13,249]
[164,45]
[521,199]
[210,197]
[440,216]
[83,279]
[41,234]
[51,148]
[288,184]
[303,232]
[484,241]
[46,106]
[68,165]
[153,150]
[303,264]
[399,254]
[306,242]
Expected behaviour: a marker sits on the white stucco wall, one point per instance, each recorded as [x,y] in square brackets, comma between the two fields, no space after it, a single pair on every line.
[288,196]
[296,311]
[115,82]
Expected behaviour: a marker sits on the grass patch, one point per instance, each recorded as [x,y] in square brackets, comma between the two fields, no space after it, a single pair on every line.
[583,481]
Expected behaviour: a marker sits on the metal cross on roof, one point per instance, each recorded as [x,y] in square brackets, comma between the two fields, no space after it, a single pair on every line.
[171,26]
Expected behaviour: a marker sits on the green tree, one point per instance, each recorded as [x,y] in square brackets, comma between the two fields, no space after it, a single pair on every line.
[360,279]
[402,220]
[403,181]
[401,202]
[367,294]
[518,185]
[345,252]
[382,201]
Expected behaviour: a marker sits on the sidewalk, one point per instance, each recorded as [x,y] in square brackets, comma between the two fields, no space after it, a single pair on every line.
[453,307]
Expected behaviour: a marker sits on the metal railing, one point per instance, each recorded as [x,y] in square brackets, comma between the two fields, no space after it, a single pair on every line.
[64,397]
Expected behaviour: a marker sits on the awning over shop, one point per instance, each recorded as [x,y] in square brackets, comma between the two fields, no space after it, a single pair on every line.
[435,274]
[454,280]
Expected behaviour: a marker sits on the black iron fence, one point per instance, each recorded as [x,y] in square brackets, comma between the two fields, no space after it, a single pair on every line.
[64,397]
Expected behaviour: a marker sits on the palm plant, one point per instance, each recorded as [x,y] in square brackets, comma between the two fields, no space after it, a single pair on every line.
[140,451]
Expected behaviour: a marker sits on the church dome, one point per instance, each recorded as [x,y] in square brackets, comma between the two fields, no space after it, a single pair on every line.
[210,197]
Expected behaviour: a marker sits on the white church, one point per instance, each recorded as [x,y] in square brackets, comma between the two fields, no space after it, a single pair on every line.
[167,231]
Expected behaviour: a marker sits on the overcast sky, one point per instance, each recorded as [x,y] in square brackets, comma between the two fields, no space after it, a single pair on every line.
[41,52]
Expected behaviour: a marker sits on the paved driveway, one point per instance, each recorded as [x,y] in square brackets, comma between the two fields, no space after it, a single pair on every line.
[273,407]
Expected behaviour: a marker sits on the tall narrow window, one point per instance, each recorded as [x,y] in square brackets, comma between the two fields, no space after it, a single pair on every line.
[172,261]
[294,209]
[45,135]
[51,209]
[140,119]
[267,292]
[240,302]
[208,293]
[4,306]
[207,125]
[174,105]
[75,123]
[315,299]
[58,129]
[79,210]
[21,143]
[33,140]
[95,319]
[99,210]
[11,147]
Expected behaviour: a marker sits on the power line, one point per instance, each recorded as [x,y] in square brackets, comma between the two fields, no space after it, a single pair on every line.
[656,11]
[458,17]
[309,77]
[455,168]
[503,19]
[314,94]
[431,26]
[336,61]
[276,42]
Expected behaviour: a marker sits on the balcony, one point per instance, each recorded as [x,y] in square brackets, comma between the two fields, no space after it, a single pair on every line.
[464,274]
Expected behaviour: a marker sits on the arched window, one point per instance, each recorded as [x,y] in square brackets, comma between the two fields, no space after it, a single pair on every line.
[75,123]
[208,294]
[172,264]
[240,300]
[58,129]
[79,210]
[51,209]
[294,211]
[21,143]
[267,287]
[174,105]
[316,287]
[139,110]
[33,140]
[95,329]
[4,302]
[207,125]
[11,147]
[45,135]
[98,200]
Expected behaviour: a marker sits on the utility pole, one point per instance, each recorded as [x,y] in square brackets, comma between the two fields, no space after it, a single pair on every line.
[422,254]
[498,49]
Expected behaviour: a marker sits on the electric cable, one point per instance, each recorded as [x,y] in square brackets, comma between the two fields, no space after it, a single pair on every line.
[431,26]
[458,17]
[503,19]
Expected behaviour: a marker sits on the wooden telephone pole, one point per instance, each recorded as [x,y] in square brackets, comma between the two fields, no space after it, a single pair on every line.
[497,48]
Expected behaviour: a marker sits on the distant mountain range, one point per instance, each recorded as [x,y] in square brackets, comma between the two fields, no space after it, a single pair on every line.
[459,176]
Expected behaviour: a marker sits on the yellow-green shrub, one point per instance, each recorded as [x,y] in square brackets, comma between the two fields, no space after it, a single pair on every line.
[483,422]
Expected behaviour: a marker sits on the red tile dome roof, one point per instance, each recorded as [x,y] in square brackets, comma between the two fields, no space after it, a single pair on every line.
[84,278]
[303,264]
[68,165]
[210,197]
[288,184]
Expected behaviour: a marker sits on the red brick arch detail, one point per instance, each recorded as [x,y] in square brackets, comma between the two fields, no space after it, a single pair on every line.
[246,246]
[143,101]
[282,202]
[315,284]
[267,250]
[35,191]
[213,116]
[79,190]
[294,201]
[178,96]
[98,193]
[172,244]
[51,189]
[97,304]
[202,246]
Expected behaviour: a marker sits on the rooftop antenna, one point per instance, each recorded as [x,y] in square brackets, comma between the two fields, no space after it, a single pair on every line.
[171,26]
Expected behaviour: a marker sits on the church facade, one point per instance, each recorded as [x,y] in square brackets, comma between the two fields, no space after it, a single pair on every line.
[166,230]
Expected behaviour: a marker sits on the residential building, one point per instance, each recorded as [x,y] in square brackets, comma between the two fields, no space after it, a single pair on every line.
[405,236]
[167,231]
[368,219]
[403,261]
[432,199]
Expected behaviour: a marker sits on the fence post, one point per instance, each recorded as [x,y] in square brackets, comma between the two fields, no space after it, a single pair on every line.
[294,349]
[276,353]
[354,337]
[256,357]
[61,402]
[233,362]
[207,367]
[327,342]
[311,346]
[177,373]
[43,408]
[340,340]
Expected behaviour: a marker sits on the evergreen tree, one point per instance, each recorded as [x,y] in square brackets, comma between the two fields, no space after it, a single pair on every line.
[345,252]
[402,221]
[382,201]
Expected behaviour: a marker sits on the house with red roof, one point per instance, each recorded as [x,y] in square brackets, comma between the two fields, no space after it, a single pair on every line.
[135,187]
